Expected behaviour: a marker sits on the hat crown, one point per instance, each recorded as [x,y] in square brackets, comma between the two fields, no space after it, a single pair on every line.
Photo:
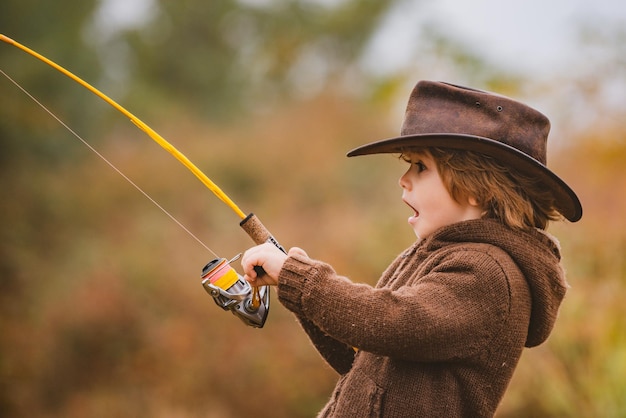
[443,108]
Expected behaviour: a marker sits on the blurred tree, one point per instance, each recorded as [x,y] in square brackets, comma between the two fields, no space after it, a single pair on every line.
[220,56]
[55,29]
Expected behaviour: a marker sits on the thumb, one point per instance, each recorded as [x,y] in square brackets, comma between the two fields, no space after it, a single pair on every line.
[297,251]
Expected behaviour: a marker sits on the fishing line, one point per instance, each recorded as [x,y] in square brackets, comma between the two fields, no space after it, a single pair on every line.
[249,303]
[110,164]
[141,125]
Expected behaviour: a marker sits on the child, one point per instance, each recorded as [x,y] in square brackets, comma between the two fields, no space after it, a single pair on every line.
[442,331]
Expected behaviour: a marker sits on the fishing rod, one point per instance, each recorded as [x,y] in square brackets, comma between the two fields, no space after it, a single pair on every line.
[228,289]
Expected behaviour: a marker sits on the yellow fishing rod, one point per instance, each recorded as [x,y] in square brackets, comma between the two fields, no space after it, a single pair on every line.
[141,125]
[250,223]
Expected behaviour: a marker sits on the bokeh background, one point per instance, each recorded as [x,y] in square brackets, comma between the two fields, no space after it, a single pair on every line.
[101,309]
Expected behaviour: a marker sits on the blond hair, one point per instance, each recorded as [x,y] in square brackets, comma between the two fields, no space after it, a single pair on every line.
[513,198]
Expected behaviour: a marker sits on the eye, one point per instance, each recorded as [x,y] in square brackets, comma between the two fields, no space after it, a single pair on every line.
[419,165]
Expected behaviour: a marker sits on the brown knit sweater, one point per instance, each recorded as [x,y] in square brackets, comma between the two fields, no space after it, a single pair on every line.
[442,331]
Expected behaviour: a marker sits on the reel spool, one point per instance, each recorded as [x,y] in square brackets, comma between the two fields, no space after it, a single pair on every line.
[232,293]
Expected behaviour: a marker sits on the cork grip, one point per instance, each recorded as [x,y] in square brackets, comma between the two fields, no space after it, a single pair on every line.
[255,229]
[260,235]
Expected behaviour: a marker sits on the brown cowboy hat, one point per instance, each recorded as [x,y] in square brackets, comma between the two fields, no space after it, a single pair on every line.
[449,116]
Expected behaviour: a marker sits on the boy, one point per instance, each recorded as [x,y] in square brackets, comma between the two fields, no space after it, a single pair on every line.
[442,331]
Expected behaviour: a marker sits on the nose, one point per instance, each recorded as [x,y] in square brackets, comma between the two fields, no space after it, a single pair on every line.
[404,181]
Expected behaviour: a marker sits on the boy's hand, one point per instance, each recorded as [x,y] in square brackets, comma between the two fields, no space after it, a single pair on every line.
[267,256]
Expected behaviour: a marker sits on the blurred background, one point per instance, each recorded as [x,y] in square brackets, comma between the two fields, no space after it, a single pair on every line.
[101,309]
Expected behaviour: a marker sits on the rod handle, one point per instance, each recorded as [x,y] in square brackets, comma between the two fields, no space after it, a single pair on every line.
[258,232]
[260,235]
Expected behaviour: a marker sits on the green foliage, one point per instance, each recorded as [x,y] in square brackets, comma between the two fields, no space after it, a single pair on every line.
[226,56]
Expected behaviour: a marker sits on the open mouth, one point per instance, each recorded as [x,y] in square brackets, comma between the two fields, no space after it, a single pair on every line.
[416,213]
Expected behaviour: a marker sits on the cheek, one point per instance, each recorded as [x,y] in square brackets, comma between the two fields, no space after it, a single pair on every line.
[444,207]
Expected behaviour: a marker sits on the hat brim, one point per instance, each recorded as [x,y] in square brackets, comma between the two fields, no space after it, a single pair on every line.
[567,202]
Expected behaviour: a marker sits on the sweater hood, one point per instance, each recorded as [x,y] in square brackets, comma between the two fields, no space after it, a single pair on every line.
[537,255]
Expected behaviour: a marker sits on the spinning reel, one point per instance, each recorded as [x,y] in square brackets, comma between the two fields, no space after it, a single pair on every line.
[232,293]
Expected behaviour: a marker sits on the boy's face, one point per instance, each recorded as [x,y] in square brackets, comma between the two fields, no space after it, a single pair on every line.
[424,191]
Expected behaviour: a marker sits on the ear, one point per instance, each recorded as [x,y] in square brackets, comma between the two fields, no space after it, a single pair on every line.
[472,201]
[476,206]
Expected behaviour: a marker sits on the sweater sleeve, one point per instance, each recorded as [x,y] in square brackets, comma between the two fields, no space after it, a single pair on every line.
[336,353]
[450,312]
